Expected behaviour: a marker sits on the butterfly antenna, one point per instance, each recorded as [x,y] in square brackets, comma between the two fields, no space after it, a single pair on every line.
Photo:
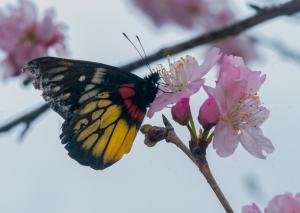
[143,59]
[145,55]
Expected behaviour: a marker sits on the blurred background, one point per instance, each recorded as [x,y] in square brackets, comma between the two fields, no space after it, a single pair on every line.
[37,175]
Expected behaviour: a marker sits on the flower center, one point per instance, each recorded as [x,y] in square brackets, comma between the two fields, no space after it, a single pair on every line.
[247,112]
[194,9]
[30,37]
[176,78]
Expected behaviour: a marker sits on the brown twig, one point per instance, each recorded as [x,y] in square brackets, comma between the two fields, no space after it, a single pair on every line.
[262,15]
[200,162]
[27,119]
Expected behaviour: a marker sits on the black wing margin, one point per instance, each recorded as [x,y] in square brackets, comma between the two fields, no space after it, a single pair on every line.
[67,84]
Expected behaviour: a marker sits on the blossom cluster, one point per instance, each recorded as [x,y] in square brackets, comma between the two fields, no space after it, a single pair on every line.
[233,111]
[23,36]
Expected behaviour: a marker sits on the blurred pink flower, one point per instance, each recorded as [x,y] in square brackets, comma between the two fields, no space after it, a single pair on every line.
[251,209]
[186,13]
[241,45]
[209,113]
[241,113]
[284,203]
[183,79]
[24,37]
[210,15]
[181,111]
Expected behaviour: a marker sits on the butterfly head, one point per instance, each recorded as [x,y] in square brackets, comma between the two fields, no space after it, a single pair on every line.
[151,86]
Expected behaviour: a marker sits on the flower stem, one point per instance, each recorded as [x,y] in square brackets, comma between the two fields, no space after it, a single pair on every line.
[205,170]
[200,162]
[193,129]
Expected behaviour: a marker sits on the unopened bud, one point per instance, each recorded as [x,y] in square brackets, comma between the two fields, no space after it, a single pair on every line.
[153,134]
[145,128]
[181,111]
[209,113]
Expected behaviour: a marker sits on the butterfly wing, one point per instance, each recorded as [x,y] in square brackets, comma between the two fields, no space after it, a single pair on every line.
[67,84]
[102,107]
[103,130]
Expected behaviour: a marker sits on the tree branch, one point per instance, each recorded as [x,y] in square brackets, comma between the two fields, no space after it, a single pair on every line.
[200,162]
[262,15]
[27,119]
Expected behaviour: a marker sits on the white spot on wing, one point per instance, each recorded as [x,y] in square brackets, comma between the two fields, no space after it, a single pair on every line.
[65,63]
[65,96]
[81,78]
[57,69]
[89,86]
[98,76]
[55,89]
[88,95]
[57,78]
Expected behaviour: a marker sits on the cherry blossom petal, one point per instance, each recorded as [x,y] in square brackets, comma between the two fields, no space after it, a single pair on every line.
[212,57]
[236,68]
[255,142]
[225,139]
[251,209]
[242,46]
[164,99]
[284,203]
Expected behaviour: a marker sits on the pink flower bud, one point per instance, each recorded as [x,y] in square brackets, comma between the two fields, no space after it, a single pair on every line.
[181,111]
[209,113]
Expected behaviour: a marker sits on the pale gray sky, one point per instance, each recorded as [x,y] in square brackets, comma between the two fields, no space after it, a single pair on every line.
[38,176]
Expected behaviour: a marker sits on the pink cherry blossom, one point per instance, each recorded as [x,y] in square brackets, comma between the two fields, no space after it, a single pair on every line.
[283,203]
[241,45]
[183,78]
[241,112]
[181,111]
[251,209]
[186,13]
[24,37]
[209,113]
[208,15]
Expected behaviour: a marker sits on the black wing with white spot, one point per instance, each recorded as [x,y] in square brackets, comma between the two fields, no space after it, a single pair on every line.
[103,106]
[68,84]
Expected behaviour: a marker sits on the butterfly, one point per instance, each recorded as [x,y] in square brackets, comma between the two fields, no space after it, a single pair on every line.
[103,106]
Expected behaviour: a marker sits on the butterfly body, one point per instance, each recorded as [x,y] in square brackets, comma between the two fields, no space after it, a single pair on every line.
[103,106]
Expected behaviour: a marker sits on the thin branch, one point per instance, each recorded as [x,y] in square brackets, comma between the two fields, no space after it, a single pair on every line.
[27,119]
[264,14]
[200,162]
